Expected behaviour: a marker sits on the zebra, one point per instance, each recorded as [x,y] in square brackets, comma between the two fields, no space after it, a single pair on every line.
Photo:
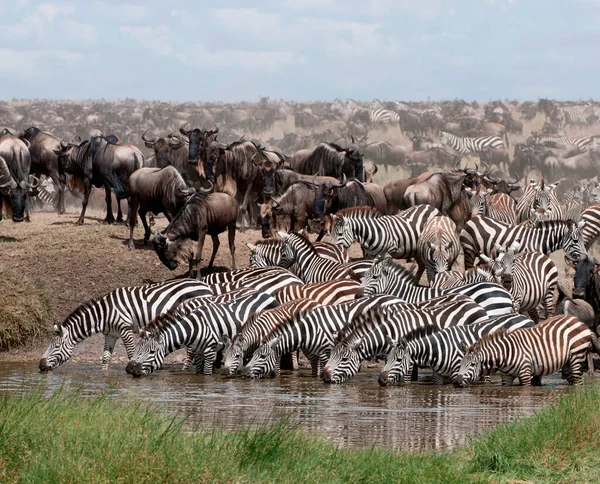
[499,206]
[438,247]
[561,342]
[381,234]
[269,283]
[481,234]
[311,267]
[331,292]
[442,351]
[387,277]
[383,116]
[590,218]
[539,195]
[368,335]
[532,278]
[314,332]
[582,143]
[452,279]
[118,314]
[240,274]
[470,146]
[268,252]
[255,328]
[201,330]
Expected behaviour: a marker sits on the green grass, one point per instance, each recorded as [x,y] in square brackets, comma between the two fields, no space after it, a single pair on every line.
[66,438]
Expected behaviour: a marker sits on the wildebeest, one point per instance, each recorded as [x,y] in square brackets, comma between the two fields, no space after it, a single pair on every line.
[394,191]
[173,152]
[102,162]
[423,143]
[586,282]
[156,190]
[330,159]
[420,160]
[199,142]
[18,161]
[269,162]
[386,154]
[202,214]
[44,160]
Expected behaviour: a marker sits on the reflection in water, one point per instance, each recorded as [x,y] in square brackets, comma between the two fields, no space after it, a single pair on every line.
[414,417]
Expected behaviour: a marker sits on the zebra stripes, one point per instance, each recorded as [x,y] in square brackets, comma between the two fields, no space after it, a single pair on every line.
[539,197]
[442,351]
[255,329]
[559,343]
[201,331]
[383,116]
[482,234]
[369,334]
[438,246]
[582,143]
[590,218]
[268,252]
[387,277]
[499,206]
[470,146]
[266,282]
[311,266]
[381,234]
[332,292]
[118,314]
[451,279]
[240,274]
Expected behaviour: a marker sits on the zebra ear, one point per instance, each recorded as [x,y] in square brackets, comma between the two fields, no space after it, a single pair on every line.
[226,341]
[356,344]
[485,258]
[390,341]
[463,346]
[581,225]
[144,334]
[516,246]
[403,344]
[251,247]
[274,342]
[60,331]
[283,235]
[336,336]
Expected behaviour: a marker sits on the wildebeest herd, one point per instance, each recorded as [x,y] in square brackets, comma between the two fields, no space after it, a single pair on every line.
[499,314]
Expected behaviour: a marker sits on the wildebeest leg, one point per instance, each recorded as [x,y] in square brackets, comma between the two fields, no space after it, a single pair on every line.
[87,188]
[110,218]
[145,224]
[109,345]
[133,204]
[119,211]
[231,237]
[60,191]
[215,243]
[245,210]
[198,259]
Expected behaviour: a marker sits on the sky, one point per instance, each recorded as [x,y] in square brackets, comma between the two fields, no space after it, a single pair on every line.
[302,50]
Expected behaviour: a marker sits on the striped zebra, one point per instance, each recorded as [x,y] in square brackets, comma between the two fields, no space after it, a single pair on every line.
[381,234]
[311,267]
[482,234]
[582,143]
[201,331]
[590,218]
[387,277]
[442,351]
[559,343]
[331,292]
[118,314]
[470,146]
[240,274]
[438,247]
[383,116]
[539,197]
[452,279]
[369,334]
[255,329]
[578,115]
[499,206]
[315,332]
[532,278]
[269,283]
[268,252]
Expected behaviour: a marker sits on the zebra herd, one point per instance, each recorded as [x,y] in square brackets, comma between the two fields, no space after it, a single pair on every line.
[297,296]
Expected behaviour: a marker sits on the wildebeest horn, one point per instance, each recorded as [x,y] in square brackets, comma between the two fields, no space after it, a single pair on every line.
[206,191]
[216,130]
[188,191]
[183,131]
[63,144]
[26,141]
[10,183]
[374,170]
[342,184]
[35,184]
[274,203]
[178,141]
[145,139]
[352,138]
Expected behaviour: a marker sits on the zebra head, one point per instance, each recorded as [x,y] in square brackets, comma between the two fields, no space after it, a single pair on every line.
[59,350]
[470,366]
[573,241]
[439,253]
[444,138]
[288,253]
[233,356]
[343,363]
[398,366]
[263,361]
[375,280]
[505,262]
[148,355]
[341,231]
[478,200]
[257,257]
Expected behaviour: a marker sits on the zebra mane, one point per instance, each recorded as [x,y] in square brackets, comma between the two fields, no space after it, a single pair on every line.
[164,320]
[279,329]
[269,242]
[305,241]
[79,310]
[369,212]
[365,321]
[399,271]
[487,339]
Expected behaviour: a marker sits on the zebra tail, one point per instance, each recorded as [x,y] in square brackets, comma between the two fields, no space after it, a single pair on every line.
[116,185]
[595,344]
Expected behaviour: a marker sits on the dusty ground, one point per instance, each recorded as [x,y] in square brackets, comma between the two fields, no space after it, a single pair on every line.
[77,263]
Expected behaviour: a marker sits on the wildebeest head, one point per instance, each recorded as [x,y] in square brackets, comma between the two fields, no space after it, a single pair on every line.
[266,214]
[587,268]
[214,153]
[172,253]
[163,149]
[16,192]
[324,195]
[199,141]
[355,158]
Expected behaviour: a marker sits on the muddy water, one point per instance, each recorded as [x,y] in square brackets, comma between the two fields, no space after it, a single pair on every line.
[414,417]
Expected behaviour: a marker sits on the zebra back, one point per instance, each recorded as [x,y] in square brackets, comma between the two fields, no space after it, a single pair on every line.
[332,292]
[266,282]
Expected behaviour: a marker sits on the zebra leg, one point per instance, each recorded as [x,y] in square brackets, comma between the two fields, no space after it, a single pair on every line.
[536,381]
[415,373]
[534,315]
[507,380]
[590,362]
[198,361]
[210,355]
[127,337]
[525,374]
[189,359]
[277,369]
[437,378]
[549,305]
[109,345]
[315,365]
[295,356]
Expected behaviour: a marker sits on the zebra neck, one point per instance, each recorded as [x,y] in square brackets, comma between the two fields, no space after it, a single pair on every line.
[98,317]
[421,354]
[178,335]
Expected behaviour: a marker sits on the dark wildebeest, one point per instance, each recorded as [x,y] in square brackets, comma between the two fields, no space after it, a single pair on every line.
[44,160]
[586,282]
[156,190]
[173,152]
[202,214]
[444,191]
[423,143]
[18,161]
[329,159]
[199,143]
[394,191]
[385,153]
[422,160]
[101,162]
[274,179]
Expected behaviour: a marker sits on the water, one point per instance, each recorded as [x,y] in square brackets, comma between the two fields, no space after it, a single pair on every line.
[415,417]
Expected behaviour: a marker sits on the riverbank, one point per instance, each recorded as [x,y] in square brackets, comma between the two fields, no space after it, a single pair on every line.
[70,439]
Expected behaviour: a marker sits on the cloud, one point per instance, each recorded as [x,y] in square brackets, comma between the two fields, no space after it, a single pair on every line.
[27,62]
[50,10]
[257,61]
[156,39]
